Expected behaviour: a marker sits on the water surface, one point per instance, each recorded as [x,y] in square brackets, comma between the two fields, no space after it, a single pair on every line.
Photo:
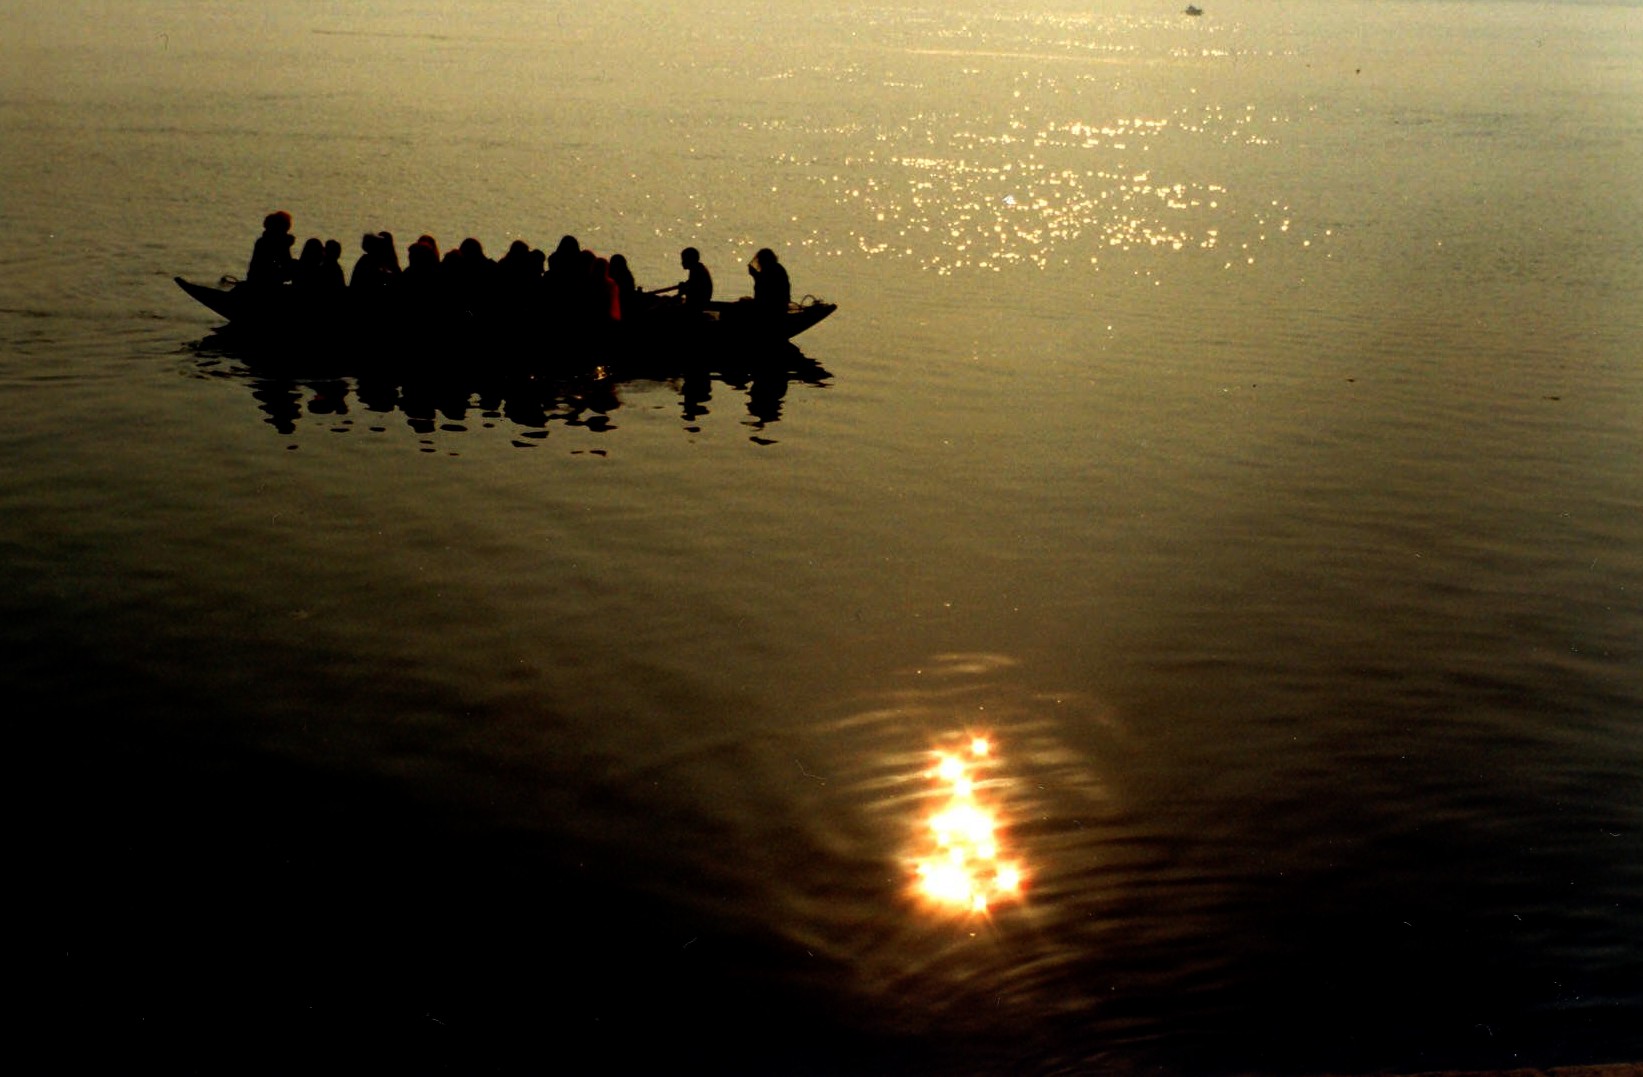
[1234,418]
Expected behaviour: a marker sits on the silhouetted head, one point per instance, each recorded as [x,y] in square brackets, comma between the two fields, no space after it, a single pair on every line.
[472,248]
[277,221]
[333,250]
[313,252]
[428,241]
[567,245]
[689,257]
[762,261]
[421,255]
[368,242]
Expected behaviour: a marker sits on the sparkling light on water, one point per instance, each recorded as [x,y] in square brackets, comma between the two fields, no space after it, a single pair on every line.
[962,867]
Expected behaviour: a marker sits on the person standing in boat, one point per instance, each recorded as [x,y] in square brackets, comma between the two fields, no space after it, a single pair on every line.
[772,292]
[271,261]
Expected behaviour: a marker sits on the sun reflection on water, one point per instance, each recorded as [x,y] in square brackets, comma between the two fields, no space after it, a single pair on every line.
[962,868]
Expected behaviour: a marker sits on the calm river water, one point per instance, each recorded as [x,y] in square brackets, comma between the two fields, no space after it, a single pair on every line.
[1234,419]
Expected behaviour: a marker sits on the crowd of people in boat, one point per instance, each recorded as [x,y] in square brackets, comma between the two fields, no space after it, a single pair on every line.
[571,284]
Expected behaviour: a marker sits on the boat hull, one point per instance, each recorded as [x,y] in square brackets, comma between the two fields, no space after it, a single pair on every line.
[280,314]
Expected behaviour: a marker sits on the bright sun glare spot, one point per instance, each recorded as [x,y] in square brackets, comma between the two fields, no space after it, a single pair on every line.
[960,868]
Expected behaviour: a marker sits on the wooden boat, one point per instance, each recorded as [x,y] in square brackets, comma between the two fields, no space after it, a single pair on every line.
[282,312]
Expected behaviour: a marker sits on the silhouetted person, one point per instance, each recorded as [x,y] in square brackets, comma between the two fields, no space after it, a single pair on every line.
[560,285]
[516,262]
[772,292]
[473,277]
[604,305]
[627,290]
[389,254]
[697,287]
[271,261]
[331,277]
[565,256]
[473,252]
[517,277]
[419,286]
[372,268]
[310,264]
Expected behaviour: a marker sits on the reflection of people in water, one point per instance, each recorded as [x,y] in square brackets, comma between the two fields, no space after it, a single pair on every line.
[271,261]
[439,404]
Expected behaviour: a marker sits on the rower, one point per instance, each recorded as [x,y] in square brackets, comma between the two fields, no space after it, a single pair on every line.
[697,287]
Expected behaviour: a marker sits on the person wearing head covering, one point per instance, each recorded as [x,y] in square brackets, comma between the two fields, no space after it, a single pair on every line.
[771,290]
[560,282]
[627,289]
[306,273]
[604,304]
[368,267]
[271,261]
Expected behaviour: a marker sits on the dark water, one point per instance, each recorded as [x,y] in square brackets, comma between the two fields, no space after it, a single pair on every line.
[1235,419]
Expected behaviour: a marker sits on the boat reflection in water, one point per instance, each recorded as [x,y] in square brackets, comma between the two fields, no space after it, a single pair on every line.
[438,397]
[963,868]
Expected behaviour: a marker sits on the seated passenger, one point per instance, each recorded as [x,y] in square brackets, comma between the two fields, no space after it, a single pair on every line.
[389,254]
[473,277]
[331,276]
[771,290]
[559,284]
[566,256]
[516,281]
[306,274]
[370,268]
[517,258]
[271,261]
[627,290]
[603,298]
[421,277]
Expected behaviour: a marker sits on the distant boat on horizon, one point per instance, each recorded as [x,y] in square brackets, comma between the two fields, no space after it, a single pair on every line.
[1193,9]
